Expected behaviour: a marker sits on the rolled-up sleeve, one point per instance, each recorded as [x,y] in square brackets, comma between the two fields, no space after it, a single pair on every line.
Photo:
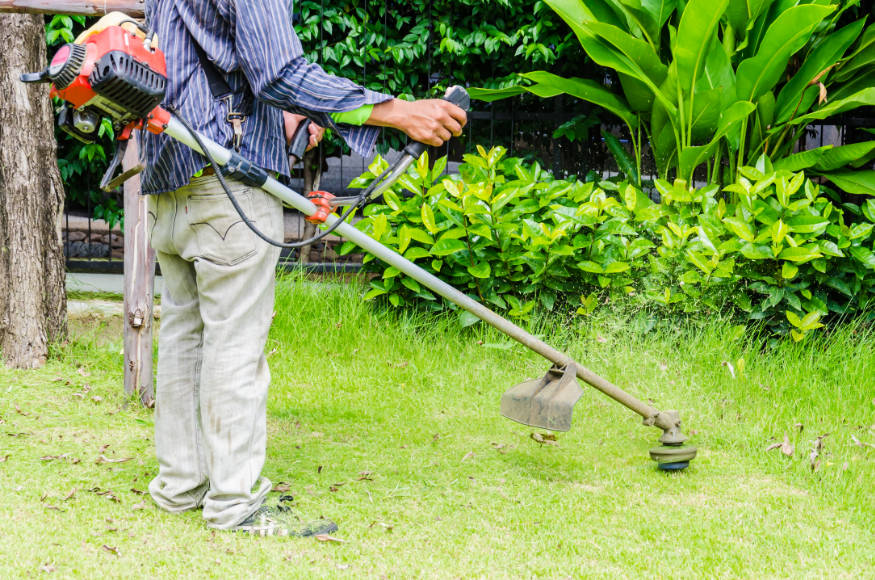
[271,56]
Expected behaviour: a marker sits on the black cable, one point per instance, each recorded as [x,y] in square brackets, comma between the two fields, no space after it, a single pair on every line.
[292,245]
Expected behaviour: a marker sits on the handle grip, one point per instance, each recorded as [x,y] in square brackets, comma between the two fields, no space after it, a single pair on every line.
[36,77]
[300,140]
[456,95]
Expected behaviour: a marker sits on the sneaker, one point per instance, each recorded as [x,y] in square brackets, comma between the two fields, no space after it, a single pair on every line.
[273,521]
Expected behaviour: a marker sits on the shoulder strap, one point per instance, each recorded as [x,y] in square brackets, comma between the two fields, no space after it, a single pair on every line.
[218,87]
[222,92]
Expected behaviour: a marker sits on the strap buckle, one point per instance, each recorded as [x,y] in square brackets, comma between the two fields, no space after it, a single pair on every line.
[235,119]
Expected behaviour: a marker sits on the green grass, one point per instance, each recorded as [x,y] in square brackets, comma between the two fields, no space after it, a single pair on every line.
[388,423]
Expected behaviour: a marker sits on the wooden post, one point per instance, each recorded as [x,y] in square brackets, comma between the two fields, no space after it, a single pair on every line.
[85,7]
[139,286]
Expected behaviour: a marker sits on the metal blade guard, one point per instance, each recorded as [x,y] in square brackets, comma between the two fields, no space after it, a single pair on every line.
[547,402]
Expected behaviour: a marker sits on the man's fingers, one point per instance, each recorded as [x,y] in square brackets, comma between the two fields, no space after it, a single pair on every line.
[444,135]
[454,127]
[458,114]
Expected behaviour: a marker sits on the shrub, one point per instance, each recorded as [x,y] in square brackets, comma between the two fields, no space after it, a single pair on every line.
[775,246]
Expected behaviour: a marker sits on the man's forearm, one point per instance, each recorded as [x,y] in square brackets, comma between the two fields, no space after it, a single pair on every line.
[429,121]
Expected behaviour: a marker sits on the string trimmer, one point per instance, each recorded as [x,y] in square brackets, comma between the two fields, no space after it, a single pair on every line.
[118,73]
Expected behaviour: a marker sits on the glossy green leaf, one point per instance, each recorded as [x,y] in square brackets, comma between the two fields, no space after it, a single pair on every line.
[861,182]
[548,84]
[480,270]
[446,247]
[827,158]
[416,252]
[862,98]
[800,254]
[696,31]
[427,215]
[784,37]
[826,55]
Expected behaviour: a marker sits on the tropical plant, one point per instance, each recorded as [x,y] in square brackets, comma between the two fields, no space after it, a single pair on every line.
[718,83]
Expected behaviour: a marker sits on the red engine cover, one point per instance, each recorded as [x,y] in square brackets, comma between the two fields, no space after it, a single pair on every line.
[79,93]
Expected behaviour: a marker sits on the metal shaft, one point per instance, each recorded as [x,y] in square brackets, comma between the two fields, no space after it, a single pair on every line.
[221,155]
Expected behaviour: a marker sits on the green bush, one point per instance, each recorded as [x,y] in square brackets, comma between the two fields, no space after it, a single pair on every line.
[421,47]
[773,247]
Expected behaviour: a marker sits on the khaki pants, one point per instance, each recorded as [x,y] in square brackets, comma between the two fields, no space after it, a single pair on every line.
[216,310]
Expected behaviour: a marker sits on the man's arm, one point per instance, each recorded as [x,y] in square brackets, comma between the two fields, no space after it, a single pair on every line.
[271,57]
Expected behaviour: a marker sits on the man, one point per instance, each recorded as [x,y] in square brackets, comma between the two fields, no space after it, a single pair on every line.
[218,296]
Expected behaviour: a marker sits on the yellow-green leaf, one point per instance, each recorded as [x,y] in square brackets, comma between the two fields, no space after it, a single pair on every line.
[428,219]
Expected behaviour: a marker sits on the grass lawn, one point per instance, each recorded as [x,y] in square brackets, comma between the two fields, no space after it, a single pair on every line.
[388,424]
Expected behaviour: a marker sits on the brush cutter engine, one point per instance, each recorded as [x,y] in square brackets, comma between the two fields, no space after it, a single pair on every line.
[114,74]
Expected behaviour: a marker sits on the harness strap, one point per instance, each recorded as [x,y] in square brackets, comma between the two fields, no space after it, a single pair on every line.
[222,92]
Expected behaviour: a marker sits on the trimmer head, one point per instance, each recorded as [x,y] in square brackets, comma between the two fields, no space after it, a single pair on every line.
[674,457]
[547,402]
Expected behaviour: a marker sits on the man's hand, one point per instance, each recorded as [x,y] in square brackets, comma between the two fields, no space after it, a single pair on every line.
[290,124]
[429,121]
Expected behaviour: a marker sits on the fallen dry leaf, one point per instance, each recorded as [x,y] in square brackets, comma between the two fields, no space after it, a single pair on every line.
[729,366]
[138,491]
[83,372]
[327,538]
[48,567]
[468,456]
[139,506]
[387,527]
[365,476]
[816,450]
[108,494]
[281,487]
[856,441]
[70,495]
[20,412]
[544,438]
[97,398]
[54,507]
[601,339]
[111,549]
[787,447]
[105,459]
[4,458]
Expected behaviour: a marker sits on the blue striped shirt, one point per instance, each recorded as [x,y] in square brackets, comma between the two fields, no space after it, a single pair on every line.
[253,43]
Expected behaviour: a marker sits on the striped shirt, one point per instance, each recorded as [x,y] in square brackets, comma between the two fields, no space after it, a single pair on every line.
[253,44]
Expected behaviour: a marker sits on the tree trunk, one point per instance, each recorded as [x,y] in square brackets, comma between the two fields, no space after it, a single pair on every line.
[33,307]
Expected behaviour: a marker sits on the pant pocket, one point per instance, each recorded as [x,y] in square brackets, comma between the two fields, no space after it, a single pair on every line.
[152,203]
[222,236]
